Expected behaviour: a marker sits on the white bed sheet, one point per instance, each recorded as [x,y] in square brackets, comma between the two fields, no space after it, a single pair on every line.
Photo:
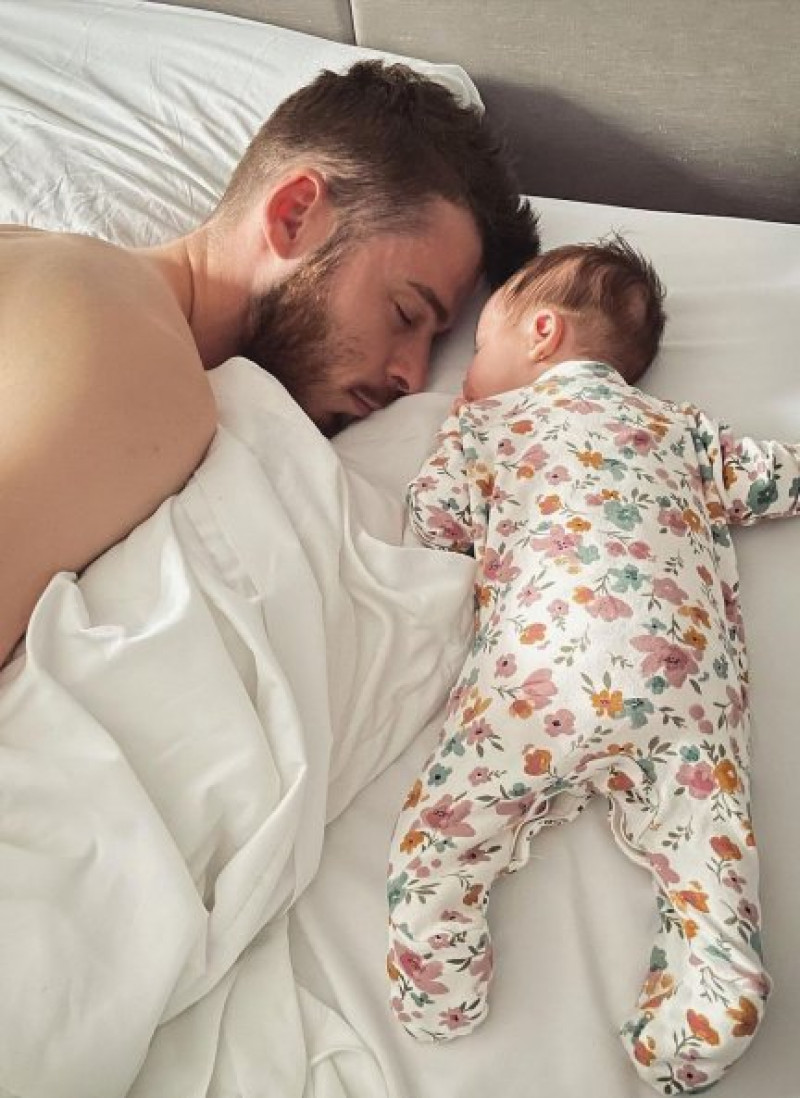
[573,930]
[123,119]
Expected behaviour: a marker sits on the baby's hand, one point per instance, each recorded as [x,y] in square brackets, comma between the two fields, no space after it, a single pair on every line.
[459,403]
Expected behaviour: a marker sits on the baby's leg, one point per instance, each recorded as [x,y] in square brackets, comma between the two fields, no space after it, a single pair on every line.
[456,833]
[703,997]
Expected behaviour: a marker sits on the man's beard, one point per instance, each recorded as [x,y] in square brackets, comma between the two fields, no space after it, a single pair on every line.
[291,336]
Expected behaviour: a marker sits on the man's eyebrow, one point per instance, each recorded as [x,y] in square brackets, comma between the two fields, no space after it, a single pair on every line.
[442,315]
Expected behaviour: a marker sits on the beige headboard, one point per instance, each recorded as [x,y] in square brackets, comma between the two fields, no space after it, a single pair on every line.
[690,105]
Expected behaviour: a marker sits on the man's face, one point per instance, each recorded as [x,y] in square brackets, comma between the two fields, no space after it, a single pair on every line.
[348,337]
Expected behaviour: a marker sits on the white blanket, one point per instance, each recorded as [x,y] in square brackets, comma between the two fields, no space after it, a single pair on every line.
[186,718]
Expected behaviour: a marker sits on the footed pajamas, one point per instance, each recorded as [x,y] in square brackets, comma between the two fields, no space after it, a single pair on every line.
[608,658]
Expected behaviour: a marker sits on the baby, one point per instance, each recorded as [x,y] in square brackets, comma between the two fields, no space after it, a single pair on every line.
[608,658]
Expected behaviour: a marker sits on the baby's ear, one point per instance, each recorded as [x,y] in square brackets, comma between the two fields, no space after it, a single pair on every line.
[545,333]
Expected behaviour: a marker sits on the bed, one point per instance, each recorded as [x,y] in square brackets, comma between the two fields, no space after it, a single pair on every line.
[206,741]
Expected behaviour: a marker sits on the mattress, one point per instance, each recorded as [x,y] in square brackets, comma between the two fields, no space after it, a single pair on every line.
[206,743]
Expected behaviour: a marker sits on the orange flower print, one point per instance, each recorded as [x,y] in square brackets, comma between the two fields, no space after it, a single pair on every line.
[749,837]
[483,594]
[472,895]
[522,427]
[726,776]
[698,615]
[486,487]
[520,708]
[537,762]
[608,703]
[525,472]
[644,1053]
[414,794]
[533,633]
[691,897]
[579,525]
[472,712]
[392,969]
[695,639]
[411,840]
[690,929]
[582,595]
[591,459]
[728,474]
[619,782]
[702,1028]
[724,848]
[692,519]
[746,1018]
[550,504]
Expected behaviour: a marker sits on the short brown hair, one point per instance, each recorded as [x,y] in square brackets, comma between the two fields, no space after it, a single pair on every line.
[389,141]
[609,286]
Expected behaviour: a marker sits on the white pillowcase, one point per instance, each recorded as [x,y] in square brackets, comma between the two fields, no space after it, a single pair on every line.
[124,119]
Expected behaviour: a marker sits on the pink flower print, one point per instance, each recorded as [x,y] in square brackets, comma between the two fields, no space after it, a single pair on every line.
[479,775]
[698,778]
[675,662]
[452,915]
[558,608]
[506,447]
[519,807]
[595,499]
[557,542]
[536,456]
[441,940]
[474,856]
[422,974]
[539,688]
[560,723]
[505,528]
[581,407]
[690,1075]
[557,475]
[733,613]
[419,870]
[482,965]
[445,523]
[640,550]
[673,519]
[637,438]
[506,666]
[528,595]
[479,731]
[499,569]
[664,871]
[454,1018]
[609,608]
[736,711]
[616,549]
[748,911]
[447,817]
[425,484]
[666,588]
[734,880]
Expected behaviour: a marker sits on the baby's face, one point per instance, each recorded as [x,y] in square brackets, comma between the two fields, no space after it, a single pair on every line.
[502,358]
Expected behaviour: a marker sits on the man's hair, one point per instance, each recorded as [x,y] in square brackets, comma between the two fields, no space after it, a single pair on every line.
[388,141]
[612,290]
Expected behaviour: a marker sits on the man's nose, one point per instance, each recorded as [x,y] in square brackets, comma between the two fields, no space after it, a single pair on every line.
[408,371]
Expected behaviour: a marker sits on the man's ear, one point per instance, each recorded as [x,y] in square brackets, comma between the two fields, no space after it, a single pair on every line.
[546,331]
[297,215]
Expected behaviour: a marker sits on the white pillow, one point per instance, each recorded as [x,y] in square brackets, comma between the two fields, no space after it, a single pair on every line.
[124,119]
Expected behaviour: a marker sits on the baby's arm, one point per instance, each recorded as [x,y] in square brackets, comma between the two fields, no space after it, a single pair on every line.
[438,497]
[752,480]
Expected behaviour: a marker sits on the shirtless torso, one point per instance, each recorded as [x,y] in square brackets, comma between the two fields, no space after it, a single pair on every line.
[105,409]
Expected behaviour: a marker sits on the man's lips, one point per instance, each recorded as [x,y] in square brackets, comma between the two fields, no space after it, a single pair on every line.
[366,402]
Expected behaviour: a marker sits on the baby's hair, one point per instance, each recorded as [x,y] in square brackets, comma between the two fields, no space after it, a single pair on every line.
[609,287]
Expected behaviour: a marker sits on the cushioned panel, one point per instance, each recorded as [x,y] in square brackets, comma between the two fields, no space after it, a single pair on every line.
[659,104]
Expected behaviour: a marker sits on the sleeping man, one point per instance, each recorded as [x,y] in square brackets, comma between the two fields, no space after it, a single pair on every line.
[608,660]
[350,234]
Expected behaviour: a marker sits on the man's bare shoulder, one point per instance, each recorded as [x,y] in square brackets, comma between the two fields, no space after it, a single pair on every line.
[89,293]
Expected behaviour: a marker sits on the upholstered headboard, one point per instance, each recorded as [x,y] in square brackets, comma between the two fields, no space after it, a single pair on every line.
[689,105]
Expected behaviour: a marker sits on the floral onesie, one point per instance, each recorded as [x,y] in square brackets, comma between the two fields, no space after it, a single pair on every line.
[608,658]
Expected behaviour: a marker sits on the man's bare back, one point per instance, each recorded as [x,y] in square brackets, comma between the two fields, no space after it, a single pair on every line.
[105,409]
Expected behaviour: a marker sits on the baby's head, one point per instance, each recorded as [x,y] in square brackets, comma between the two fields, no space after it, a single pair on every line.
[601,301]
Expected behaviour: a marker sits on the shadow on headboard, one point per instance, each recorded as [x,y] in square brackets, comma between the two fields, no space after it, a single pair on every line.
[688,105]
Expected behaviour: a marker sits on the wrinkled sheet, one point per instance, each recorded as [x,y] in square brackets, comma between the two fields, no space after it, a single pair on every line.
[185,719]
